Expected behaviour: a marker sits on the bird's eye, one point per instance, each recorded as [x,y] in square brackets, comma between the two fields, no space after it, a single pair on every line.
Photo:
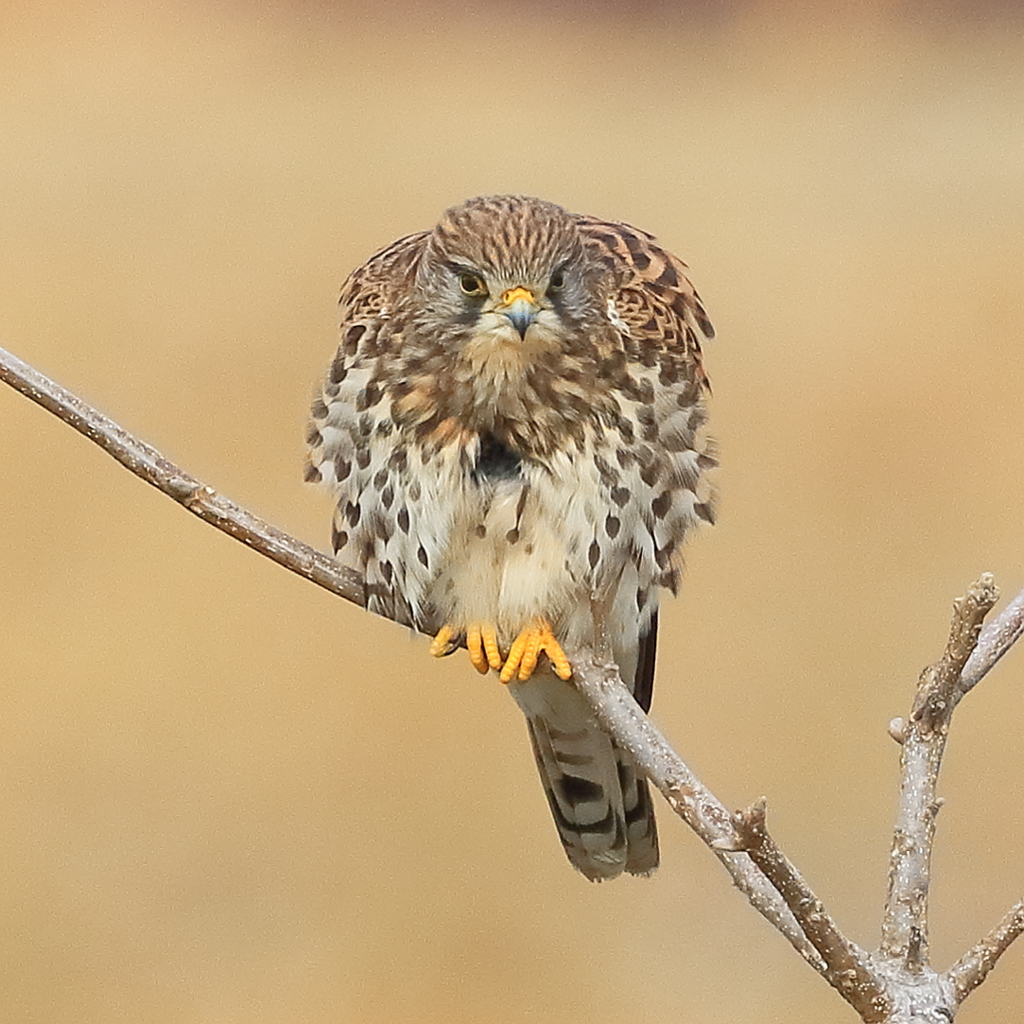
[557,280]
[472,284]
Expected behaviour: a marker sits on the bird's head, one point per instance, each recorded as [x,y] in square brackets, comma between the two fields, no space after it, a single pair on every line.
[507,280]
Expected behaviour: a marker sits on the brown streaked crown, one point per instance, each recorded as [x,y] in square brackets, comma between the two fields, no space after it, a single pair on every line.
[507,237]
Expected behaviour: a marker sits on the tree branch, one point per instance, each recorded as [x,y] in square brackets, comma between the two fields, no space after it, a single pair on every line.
[894,986]
[621,716]
[972,968]
[905,923]
[847,968]
[995,640]
[146,462]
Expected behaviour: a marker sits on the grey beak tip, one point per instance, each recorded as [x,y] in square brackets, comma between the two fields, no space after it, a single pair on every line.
[521,321]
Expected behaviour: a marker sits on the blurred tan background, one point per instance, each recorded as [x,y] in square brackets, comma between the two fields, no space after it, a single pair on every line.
[227,797]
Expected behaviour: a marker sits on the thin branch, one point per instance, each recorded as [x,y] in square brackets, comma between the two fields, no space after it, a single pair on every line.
[905,922]
[847,968]
[995,640]
[621,716]
[940,689]
[973,967]
[203,501]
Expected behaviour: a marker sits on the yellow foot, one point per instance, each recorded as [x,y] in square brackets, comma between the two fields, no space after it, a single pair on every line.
[522,658]
[482,644]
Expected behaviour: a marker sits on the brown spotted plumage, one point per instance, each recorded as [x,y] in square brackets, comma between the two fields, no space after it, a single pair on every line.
[514,428]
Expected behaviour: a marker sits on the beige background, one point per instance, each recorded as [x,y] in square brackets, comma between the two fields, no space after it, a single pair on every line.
[227,797]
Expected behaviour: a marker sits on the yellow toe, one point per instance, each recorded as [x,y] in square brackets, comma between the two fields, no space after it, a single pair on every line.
[482,644]
[490,639]
[526,650]
[475,644]
[442,643]
[481,641]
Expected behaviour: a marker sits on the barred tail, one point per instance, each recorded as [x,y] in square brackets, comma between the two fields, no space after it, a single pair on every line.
[599,800]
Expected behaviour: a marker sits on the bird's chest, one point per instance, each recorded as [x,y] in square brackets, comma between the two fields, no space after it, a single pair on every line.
[510,402]
[506,559]
[520,538]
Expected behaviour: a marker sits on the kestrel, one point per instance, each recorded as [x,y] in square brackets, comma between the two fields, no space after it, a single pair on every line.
[514,428]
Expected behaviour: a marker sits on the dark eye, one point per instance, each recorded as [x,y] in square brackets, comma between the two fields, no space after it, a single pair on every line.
[557,281]
[472,284]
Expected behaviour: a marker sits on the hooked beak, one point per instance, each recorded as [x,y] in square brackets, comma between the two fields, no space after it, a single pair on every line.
[519,305]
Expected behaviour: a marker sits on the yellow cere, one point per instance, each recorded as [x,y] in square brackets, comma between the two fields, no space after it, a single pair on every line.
[515,294]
